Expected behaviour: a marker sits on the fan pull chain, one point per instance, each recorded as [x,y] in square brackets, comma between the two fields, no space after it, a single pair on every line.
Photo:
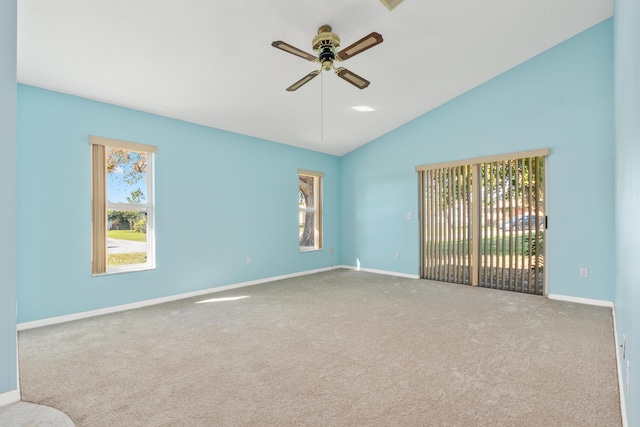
[321,106]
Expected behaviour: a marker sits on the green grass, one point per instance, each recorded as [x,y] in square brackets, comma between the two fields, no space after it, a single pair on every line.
[127,235]
[127,258]
[497,245]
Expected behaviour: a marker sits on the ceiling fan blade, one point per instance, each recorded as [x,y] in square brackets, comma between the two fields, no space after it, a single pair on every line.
[302,81]
[359,46]
[294,50]
[352,78]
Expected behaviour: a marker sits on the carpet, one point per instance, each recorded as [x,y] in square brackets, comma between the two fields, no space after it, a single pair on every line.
[335,348]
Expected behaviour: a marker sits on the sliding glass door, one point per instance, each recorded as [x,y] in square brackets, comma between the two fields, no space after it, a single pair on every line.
[483,222]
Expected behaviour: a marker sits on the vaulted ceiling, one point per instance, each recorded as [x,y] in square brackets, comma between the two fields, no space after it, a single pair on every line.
[212,63]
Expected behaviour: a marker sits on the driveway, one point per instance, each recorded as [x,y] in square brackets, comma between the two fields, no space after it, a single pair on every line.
[119,246]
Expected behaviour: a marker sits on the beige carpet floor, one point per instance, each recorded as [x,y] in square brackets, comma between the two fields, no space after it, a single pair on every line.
[334,348]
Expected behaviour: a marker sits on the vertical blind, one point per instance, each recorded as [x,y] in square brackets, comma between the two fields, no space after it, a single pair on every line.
[447,220]
[514,219]
[99,209]
[483,221]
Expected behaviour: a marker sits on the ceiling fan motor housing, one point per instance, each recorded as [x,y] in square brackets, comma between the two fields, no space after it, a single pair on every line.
[325,44]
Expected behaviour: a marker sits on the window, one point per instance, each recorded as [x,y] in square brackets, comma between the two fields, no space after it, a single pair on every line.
[310,210]
[122,206]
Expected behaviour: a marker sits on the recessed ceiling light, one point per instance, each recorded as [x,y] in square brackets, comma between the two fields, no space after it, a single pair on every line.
[362,108]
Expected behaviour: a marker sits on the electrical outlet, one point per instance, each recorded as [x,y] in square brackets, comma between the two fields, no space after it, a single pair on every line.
[409,216]
[397,255]
[249,261]
[331,251]
[584,272]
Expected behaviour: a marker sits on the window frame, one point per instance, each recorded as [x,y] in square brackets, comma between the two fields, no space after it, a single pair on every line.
[318,178]
[100,204]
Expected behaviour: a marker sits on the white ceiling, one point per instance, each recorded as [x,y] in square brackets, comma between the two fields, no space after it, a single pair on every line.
[212,63]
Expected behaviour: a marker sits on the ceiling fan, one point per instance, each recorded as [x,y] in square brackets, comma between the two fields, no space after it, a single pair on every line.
[324,45]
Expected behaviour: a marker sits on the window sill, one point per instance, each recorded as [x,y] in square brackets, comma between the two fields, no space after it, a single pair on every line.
[125,269]
[309,249]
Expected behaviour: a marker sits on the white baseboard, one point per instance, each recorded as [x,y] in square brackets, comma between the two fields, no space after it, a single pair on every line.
[388,273]
[610,304]
[9,397]
[108,310]
[623,406]
[588,301]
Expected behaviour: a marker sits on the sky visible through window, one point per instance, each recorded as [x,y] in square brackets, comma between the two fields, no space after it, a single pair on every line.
[119,189]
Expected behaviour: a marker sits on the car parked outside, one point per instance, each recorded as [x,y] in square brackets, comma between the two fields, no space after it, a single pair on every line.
[521,222]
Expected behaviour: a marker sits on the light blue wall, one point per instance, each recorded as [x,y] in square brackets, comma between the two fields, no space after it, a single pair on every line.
[561,99]
[8,369]
[220,198]
[627,190]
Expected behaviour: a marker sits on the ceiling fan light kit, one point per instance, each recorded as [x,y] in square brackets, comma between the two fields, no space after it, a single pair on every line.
[325,45]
